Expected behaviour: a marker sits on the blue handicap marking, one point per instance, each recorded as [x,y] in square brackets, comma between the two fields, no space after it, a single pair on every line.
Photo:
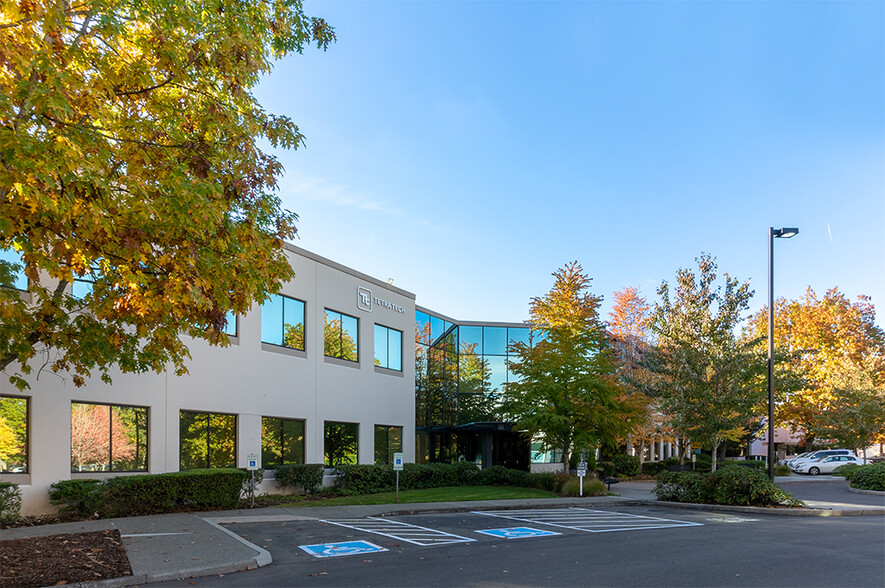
[517,533]
[338,549]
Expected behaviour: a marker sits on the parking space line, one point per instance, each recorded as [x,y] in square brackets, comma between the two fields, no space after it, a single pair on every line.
[588,520]
[414,534]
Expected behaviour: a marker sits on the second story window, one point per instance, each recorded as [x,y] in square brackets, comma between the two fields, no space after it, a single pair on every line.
[341,336]
[388,348]
[282,322]
[230,327]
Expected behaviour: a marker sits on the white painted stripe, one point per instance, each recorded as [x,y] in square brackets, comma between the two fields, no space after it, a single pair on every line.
[414,534]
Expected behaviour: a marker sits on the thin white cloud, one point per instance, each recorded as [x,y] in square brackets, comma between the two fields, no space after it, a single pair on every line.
[320,190]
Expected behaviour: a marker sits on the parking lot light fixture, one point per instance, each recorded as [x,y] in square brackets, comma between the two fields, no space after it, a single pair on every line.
[784,233]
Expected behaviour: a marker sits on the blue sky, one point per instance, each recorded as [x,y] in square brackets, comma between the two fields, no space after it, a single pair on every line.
[469,149]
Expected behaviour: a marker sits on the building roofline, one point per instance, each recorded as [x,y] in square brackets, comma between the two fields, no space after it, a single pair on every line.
[344,269]
[468,323]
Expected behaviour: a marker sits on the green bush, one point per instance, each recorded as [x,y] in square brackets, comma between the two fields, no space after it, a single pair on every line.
[730,485]
[306,476]
[367,479]
[869,477]
[845,470]
[654,468]
[592,487]
[77,496]
[606,469]
[746,463]
[10,502]
[626,465]
[150,493]
[782,470]
[683,487]
[501,476]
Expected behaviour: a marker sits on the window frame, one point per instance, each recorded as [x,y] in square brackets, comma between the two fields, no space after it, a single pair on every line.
[341,331]
[282,345]
[282,422]
[27,440]
[209,464]
[110,462]
[387,331]
[389,454]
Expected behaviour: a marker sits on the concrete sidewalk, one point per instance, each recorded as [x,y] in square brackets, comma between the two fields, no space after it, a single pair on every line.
[176,546]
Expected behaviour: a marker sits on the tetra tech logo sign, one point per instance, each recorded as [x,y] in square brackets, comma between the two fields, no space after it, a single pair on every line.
[364,299]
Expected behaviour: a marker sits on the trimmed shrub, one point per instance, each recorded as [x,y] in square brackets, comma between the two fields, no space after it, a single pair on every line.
[306,476]
[150,493]
[592,487]
[10,502]
[654,468]
[683,487]
[606,469]
[845,470]
[746,463]
[782,470]
[77,496]
[626,465]
[729,485]
[869,477]
[367,479]
[501,476]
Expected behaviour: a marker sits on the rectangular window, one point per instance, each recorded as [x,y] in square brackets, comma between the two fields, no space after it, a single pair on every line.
[282,322]
[13,435]
[341,444]
[12,272]
[388,440]
[207,440]
[341,336]
[282,442]
[388,348]
[230,327]
[108,438]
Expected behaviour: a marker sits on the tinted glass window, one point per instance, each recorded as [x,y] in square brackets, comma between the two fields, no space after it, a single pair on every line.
[494,341]
[282,322]
[13,434]
[471,339]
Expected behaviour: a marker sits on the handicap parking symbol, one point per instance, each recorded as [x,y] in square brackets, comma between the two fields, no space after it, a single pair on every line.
[517,533]
[339,549]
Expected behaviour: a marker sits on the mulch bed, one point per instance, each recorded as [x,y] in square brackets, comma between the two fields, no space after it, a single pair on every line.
[62,559]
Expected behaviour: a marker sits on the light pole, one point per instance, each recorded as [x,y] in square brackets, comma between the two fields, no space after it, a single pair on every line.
[773,233]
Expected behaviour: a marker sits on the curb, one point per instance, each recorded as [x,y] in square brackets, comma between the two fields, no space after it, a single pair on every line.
[873,492]
[790,512]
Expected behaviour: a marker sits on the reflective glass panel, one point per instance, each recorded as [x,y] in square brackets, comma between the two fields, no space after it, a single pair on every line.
[497,372]
[293,323]
[341,444]
[471,339]
[193,440]
[518,335]
[230,327]
[437,328]
[395,349]
[108,438]
[422,327]
[14,434]
[272,320]
[341,336]
[381,352]
[494,341]
[222,440]
[388,440]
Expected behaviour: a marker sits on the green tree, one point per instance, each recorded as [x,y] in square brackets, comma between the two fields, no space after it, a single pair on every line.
[568,391]
[855,415]
[129,150]
[708,386]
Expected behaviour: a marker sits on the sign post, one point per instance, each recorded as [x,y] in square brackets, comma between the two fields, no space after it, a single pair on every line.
[252,465]
[582,471]
[397,467]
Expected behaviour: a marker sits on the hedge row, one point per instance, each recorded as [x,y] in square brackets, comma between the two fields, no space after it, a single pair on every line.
[150,493]
[371,479]
[743,486]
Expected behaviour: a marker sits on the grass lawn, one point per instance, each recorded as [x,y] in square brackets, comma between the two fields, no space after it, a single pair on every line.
[449,494]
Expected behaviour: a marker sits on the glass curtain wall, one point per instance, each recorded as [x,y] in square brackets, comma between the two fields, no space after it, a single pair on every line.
[461,372]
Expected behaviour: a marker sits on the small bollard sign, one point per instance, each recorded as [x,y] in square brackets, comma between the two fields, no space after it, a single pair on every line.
[397,467]
[582,471]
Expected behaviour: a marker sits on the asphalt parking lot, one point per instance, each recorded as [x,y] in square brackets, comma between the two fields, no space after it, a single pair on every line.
[625,546]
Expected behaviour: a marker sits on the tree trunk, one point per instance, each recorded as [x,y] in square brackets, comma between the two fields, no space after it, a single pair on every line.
[680,444]
[566,454]
[642,453]
[715,455]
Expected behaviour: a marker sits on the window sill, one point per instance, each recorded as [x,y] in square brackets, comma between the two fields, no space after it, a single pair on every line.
[283,350]
[20,478]
[341,362]
[388,371]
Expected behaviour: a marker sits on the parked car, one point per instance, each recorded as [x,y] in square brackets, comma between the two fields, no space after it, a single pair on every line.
[826,465]
[815,455]
[788,460]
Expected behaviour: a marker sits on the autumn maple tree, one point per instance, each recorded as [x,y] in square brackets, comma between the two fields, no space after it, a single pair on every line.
[130,158]
[567,392]
[832,346]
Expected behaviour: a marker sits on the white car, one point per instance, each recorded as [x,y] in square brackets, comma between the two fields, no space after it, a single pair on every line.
[815,455]
[792,458]
[826,465]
